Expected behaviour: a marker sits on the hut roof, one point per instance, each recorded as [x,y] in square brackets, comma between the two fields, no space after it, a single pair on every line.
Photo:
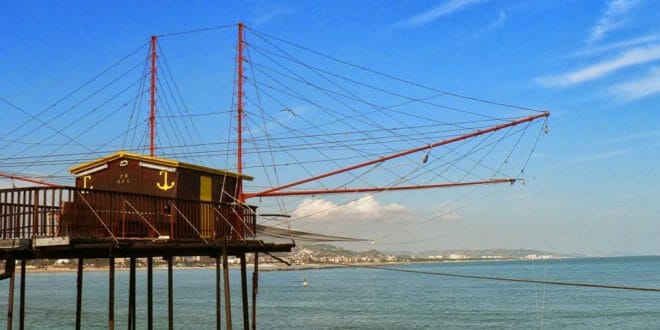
[155,160]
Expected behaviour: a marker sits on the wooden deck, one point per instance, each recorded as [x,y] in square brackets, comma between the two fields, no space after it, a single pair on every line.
[72,248]
[77,223]
[38,212]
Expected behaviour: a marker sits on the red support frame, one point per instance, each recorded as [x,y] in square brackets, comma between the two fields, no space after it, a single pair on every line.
[276,191]
[380,189]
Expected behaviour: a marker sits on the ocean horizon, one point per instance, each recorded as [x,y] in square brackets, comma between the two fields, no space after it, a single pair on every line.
[352,298]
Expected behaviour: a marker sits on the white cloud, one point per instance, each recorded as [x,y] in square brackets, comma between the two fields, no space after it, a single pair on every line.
[640,88]
[261,20]
[364,208]
[612,19]
[600,156]
[636,136]
[494,25]
[633,57]
[444,9]
[617,45]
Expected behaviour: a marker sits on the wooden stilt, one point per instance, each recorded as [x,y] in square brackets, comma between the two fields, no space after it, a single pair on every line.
[170,295]
[131,295]
[244,293]
[21,308]
[255,286]
[10,267]
[225,270]
[218,292]
[150,284]
[111,294]
[79,287]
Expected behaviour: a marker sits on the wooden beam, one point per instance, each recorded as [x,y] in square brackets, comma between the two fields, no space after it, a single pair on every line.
[111,294]
[21,309]
[225,271]
[218,292]
[10,269]
[255,286]
[244,293]
[150,298]
[170,295]
[131,295]
[79,288]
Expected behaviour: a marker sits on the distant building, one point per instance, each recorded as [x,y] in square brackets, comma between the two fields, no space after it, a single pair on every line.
[457,256]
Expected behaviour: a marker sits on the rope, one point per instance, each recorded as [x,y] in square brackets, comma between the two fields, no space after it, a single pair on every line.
[258,33]
[510,279]
[219,27]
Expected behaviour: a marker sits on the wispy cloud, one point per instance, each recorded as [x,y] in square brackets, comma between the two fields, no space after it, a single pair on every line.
[617,45]
[612,19]
[639,88]
[445,9]
[599,156]
[261,20]
[494,25]
[636,56]
[636,136]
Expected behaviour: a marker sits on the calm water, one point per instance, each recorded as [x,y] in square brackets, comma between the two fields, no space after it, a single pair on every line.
[377,299]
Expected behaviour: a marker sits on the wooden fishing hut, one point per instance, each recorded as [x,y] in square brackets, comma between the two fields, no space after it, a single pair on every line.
[132,206]
[205,196]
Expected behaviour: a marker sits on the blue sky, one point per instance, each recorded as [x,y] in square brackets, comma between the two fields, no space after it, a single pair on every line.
[591,186]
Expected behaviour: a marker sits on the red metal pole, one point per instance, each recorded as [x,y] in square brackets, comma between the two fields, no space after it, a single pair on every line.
[379,189]
[239,110]
[400,154]
[16,177]
[239,130]
[152,113]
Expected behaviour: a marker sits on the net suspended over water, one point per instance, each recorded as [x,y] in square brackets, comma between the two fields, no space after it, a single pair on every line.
[316,129]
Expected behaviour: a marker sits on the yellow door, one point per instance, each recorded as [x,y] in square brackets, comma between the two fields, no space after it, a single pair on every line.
[206,209]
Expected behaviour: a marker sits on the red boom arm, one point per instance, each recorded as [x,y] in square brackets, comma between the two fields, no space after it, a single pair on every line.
[277,190]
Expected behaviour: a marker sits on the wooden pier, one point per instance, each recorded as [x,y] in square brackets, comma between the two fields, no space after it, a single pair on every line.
[86,222]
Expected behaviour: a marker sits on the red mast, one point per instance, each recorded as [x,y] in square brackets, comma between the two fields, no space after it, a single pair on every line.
[152,113]
[239,110]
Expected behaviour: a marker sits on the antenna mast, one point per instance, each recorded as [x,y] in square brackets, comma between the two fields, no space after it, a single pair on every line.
[152,113]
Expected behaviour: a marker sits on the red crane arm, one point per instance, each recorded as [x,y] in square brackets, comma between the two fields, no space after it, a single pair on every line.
[268,192]
[379,189]
[16,177]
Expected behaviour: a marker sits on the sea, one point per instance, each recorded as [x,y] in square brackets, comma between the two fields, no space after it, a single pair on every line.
[362,298]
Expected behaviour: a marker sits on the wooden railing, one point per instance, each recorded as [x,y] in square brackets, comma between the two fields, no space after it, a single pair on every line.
[75,212]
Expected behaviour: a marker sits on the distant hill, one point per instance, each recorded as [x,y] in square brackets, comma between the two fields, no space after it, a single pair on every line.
[329,250]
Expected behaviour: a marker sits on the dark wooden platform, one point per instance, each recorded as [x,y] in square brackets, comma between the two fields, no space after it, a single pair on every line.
[65,248]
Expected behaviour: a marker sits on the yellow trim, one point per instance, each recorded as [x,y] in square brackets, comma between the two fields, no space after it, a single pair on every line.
[155,160]
[205,188]
[206,210]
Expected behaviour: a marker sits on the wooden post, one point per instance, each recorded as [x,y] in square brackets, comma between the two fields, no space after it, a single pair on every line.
[225,270]
[244,293]
[218,292]
[21,308]
[10,267]
[150,301]
[170,295]
[255,286]
[131,295]
[111,294]
[79,287]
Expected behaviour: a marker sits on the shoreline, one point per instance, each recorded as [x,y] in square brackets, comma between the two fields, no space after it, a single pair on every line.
[269,267]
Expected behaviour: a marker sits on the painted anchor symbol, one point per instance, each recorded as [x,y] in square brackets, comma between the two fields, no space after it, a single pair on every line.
[164,186]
